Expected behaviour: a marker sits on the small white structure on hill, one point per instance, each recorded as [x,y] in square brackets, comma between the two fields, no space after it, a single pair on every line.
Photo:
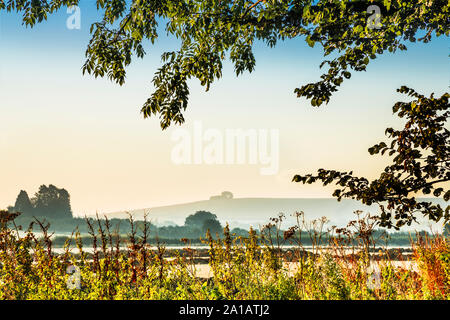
[226,195]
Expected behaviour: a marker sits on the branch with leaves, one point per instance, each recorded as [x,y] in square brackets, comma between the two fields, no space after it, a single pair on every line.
[420,164]
[214,30]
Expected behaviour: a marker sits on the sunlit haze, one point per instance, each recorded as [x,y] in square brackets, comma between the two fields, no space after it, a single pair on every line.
[88,136]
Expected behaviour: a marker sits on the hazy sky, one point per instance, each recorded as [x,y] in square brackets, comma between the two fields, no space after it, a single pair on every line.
[88,136]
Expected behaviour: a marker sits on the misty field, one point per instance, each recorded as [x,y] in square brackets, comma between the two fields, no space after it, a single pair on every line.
[341,264]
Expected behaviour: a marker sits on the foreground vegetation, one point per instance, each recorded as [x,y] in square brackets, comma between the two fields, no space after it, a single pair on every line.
[253,267]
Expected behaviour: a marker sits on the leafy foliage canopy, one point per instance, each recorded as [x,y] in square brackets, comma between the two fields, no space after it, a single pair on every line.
[213,30]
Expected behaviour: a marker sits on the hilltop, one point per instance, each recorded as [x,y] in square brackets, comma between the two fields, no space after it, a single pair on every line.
[243,212]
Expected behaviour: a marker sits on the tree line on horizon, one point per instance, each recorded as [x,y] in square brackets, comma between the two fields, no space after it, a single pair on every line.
[49,202]
[52,205]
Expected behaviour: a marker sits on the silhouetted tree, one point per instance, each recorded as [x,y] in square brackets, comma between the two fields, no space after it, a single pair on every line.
[52,202]
[198,219]
[23,204]
[213,225]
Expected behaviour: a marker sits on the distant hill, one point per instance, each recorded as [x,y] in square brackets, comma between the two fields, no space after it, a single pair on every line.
[243,212]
